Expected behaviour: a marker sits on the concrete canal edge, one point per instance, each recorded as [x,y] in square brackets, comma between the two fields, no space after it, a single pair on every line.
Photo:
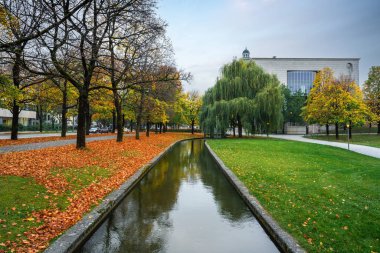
[70,240]
[283,240]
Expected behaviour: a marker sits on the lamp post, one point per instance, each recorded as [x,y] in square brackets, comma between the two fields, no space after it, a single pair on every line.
[348,136]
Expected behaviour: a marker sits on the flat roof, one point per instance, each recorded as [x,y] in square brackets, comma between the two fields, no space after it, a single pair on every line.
[306,59]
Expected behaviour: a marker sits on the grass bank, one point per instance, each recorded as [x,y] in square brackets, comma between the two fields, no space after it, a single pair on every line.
[327,198]
[372,140]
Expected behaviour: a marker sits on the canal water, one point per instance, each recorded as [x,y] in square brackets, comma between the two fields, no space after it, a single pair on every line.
[184,204]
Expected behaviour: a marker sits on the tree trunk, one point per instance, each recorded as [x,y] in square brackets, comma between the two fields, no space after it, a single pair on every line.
[350,130]
[155,128]
[378,127]
[113,121]
[16,82]
[240,127]
[336,131]
[192,126]
[82,113]
[253,129]
[15,117]
[138,124]
[119,118]
[160,127]
[64,113]
[139,115]
[165,127]
[88,117]
[327,130]
[233,129]
[147,128]
[307,129]
[40,118]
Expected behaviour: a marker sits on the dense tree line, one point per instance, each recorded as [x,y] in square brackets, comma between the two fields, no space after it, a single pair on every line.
[80,47]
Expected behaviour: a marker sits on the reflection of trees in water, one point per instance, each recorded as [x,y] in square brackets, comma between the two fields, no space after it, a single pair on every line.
[230,205]
[141,222]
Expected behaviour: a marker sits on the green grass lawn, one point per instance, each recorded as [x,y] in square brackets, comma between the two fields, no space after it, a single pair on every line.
[327,198]
[362,139]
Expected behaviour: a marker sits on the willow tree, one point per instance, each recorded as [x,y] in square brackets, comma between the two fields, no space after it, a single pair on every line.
[243,96]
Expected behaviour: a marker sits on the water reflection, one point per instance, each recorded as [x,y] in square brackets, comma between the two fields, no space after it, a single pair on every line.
[184,204]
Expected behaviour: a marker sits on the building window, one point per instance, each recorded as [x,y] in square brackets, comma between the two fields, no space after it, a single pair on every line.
[301,80]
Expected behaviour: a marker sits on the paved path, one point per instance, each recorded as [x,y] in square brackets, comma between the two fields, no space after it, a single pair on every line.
[22,135]
[48,144]
[365,150]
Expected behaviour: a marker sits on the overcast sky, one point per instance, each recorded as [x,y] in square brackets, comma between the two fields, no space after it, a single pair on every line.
[208,33]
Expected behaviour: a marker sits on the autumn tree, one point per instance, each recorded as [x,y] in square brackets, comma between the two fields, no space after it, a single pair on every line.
[163,85]
[338,101]
[102,106]
[85,36]
[371,91]
[21,23]
[17,20]
[134,40]
[193,105]
[31,14]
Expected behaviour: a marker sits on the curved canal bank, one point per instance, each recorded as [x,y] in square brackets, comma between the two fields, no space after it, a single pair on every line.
[183,204]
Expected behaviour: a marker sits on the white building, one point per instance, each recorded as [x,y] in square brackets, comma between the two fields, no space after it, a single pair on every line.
[299,73]
[25,117]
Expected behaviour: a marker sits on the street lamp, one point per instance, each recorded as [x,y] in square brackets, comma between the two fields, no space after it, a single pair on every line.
[348,136]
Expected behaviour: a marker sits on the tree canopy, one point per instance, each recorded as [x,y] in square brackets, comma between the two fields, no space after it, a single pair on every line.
[243,96]
[371,91]
[337,101]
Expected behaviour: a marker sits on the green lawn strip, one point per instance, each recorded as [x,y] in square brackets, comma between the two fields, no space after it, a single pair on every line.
[327,198]
[19,197]
[372,140]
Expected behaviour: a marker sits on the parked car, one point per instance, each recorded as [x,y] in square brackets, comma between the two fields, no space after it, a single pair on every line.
[103,130]
[94,130]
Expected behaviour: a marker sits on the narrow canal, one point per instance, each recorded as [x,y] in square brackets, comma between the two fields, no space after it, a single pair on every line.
[184,204]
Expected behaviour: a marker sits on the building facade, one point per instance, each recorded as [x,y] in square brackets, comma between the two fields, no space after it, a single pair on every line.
[26,118]
[299,73]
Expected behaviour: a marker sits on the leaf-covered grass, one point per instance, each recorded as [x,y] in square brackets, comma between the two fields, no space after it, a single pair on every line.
[327,198]
[79,178]
[362,139]
[19,198]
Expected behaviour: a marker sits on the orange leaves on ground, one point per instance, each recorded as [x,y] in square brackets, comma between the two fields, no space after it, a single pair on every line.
[39,164]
